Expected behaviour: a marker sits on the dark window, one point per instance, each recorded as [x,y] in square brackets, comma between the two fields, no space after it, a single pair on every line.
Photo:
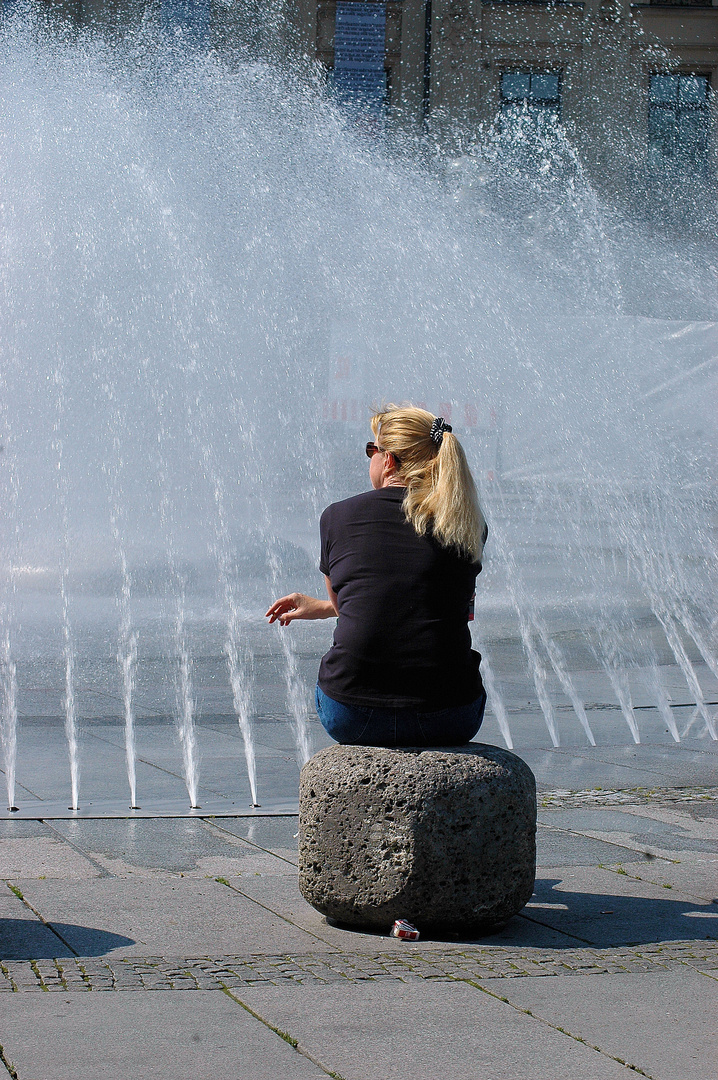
[535,94]
[678,119]
[191,18]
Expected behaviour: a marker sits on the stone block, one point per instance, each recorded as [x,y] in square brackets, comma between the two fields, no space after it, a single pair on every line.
[443,837]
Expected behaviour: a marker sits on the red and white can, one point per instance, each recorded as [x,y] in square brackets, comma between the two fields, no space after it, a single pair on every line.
[404,930]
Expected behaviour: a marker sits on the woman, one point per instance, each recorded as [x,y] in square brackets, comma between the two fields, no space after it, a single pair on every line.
[400,565]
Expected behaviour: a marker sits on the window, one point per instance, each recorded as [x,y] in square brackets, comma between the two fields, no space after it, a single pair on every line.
[359,76]
[532,93]
[678,119]
[191,18]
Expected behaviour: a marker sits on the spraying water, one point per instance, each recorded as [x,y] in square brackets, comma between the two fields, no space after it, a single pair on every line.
[8,720]
[68,644]
[71,727]
[297,696]
[8,667]
[494,699]
[232,272]
[239,657]
[240,670]
[185,704]
[127,659]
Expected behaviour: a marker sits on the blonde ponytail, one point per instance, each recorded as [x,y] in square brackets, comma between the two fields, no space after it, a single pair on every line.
[440,491]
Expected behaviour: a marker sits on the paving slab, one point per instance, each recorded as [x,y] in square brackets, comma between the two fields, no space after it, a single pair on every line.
[606,908]
[577,770]
[687,818]
[205,1035]
[43,773]
[415,1032]
[662,821]
[556,847]
[281,894]
[163,914]
[706,746]
[637,832]
[42,856]
[22,934]
[278,835]
[664,1024]
[673,761]
[272,736]
[222,764]
[42,764]
[703,810]
[181,845]
[682,840]
[190,846]
[666,845]
[694,876]
[609,727]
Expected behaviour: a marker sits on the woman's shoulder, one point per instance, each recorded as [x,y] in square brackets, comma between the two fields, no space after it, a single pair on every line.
[356,503]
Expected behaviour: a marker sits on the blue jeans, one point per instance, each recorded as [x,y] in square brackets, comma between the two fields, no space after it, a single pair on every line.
[360,725]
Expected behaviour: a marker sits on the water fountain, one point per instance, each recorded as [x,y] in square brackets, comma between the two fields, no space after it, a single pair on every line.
[209,273]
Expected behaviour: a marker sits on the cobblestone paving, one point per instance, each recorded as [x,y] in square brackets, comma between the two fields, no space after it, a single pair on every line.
[625,797]
[231,972]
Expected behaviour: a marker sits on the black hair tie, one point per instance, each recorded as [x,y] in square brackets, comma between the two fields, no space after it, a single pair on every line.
[438,428]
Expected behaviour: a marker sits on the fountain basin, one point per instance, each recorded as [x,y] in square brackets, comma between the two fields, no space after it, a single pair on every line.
[40,810]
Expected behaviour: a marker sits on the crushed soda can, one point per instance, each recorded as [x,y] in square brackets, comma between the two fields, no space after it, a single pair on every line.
[404,930]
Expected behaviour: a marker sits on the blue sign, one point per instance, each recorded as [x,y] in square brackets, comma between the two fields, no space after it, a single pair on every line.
[359,34]
[188,18]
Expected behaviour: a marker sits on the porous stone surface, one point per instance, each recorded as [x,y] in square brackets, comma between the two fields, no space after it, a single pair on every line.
[443,837]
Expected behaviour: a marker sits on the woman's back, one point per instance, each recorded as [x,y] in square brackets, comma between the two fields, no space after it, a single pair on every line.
[400,565]
[402,639]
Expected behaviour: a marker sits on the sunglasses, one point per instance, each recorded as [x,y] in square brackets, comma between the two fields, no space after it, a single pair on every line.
[371,449]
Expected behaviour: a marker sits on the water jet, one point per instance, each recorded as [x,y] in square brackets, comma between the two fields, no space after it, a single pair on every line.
[223,271]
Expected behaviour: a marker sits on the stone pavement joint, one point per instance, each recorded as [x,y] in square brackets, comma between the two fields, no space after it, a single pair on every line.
[229,972]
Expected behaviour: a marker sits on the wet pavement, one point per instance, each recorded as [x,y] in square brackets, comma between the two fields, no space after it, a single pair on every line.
[43,777]
[610,970]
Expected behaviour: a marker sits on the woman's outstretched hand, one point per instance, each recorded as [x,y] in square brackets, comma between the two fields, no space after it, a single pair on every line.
[299,606]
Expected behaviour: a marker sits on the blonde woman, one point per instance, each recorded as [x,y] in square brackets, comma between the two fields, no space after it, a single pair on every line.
[400,564]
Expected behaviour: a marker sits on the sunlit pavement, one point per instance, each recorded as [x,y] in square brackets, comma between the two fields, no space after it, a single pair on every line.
[611,968]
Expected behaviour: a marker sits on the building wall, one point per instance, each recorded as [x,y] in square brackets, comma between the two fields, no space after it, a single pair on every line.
[445,58]
[604,51]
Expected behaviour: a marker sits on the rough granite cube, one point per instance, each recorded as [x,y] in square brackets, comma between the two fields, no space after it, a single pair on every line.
[443,837]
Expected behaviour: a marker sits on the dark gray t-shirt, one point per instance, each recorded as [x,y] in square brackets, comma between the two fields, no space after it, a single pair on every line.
[402,638]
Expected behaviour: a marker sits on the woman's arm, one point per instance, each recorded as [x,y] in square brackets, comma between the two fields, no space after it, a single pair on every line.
[332,595]
[299,606]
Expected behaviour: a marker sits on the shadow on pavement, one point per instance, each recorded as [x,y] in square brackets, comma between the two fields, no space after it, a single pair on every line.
[27,939]
[606,920]
[557,918]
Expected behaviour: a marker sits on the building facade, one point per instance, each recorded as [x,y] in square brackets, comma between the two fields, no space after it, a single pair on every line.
[633,84]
